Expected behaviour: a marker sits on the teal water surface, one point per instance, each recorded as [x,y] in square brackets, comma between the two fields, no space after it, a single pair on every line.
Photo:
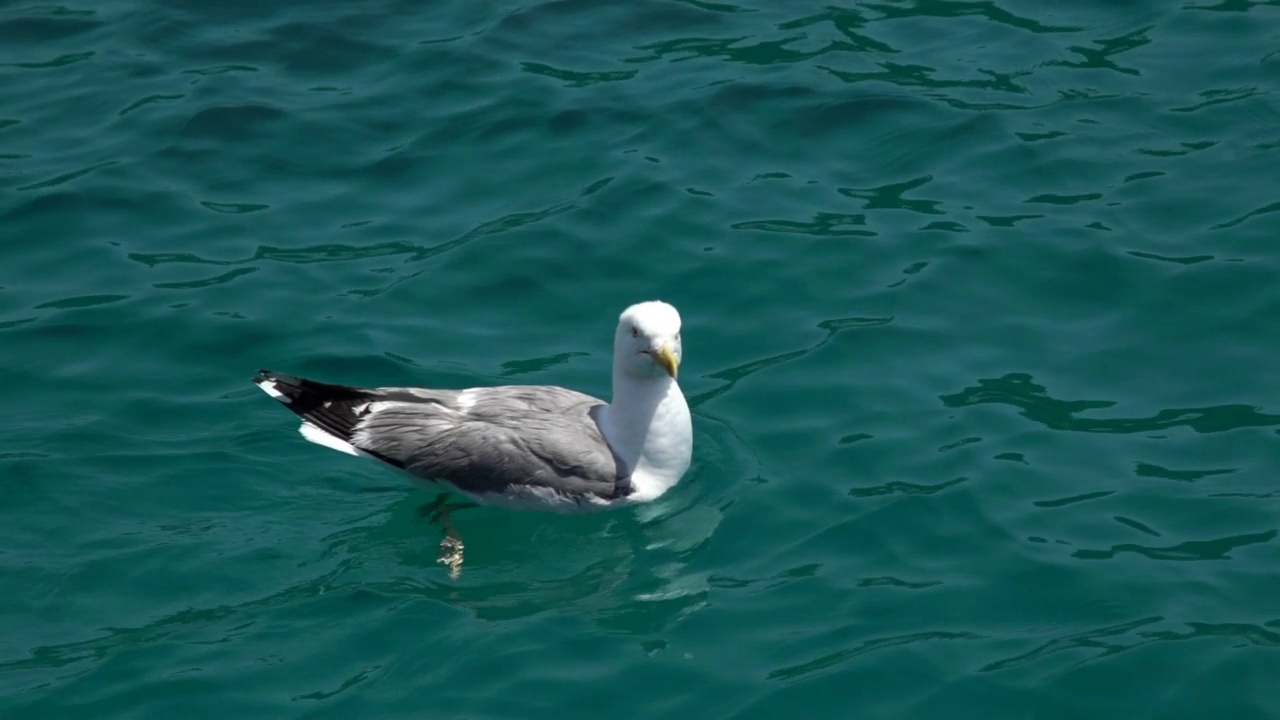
[980,320]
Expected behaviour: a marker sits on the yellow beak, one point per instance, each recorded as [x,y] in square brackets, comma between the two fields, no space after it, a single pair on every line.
[666,359]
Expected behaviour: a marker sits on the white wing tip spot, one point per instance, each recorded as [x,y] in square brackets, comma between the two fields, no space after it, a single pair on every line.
[269,387]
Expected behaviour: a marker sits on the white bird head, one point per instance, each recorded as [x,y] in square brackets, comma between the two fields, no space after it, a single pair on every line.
[647,343]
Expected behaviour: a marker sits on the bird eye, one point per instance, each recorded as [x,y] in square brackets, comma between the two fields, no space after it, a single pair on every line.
[635,332]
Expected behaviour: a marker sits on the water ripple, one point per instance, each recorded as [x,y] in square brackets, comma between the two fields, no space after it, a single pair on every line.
[1095,643]
[826,662]
[1216,549]
[1034,403]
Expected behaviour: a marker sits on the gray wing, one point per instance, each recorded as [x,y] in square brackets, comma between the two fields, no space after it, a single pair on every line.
[482,440]
[486,439]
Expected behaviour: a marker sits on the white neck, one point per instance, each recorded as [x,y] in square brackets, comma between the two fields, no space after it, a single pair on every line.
[648,426]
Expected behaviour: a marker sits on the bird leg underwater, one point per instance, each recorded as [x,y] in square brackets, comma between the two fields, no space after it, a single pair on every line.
[451,547]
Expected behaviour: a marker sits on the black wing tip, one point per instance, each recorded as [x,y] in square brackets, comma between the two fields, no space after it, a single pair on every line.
[334,409]
[302,395]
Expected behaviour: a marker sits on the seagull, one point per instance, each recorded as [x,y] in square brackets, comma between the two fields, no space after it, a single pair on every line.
[536,447]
